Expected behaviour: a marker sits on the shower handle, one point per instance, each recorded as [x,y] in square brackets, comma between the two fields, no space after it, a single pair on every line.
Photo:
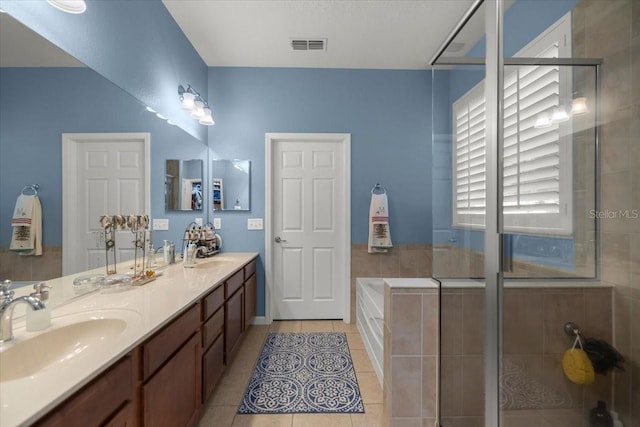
[279,240]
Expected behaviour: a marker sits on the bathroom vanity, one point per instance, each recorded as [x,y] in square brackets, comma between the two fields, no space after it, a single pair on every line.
[151,355]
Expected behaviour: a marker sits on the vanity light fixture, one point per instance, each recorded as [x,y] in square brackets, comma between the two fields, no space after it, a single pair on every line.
[542,121]
[559,114]
[69,6]
[193,102]
[579,106]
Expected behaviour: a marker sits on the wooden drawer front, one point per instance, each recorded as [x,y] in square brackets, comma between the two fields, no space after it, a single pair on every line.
[160,347]
[233,283]
[213,302]
[94,404]
[249,269]
[172,396]
[212,367]
[212,328]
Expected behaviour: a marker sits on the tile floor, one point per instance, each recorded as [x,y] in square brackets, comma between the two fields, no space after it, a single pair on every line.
[221,409]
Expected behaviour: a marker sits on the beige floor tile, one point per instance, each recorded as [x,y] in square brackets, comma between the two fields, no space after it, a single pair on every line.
[323,420]
[218,416]
[244,361]
[355,341]
[230,390]
[370,388]
[361,361]
[316,326]
[253,342]
[270,420]
[285,326]
[340,326]
[372,417]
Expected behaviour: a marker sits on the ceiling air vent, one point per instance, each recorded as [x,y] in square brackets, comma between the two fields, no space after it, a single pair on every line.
[309,44]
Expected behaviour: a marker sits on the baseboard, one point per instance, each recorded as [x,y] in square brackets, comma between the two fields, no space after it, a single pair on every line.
[259,320]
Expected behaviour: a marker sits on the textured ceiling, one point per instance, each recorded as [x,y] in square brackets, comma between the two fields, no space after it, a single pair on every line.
[360,34]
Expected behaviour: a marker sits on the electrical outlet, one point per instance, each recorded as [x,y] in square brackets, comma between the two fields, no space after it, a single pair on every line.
[217,223]
[160,224]
[198,221]
[254,224]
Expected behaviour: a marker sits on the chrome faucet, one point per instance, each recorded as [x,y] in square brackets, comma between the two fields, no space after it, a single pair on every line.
[7,304]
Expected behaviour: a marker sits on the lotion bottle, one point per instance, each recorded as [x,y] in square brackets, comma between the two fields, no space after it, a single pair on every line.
[39,319]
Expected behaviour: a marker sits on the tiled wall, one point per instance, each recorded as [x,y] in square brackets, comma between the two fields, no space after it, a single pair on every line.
[44,267]
[611,30]
[402,261]
[410,356]
[535,390]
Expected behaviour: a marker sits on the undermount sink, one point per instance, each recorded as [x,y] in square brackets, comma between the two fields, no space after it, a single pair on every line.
[57,346]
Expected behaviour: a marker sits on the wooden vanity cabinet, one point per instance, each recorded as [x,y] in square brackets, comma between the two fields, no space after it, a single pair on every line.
[233,324]
[171,394]
[104,401]
[250,296]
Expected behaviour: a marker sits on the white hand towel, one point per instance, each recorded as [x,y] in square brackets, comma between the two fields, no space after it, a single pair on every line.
[26,238]
[379,233]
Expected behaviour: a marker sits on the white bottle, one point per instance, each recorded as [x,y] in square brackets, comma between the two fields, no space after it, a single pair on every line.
[616,420]
[38,320]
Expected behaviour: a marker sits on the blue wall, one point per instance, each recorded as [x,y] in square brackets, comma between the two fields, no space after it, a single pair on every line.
[134,43]
[34,113]
[387,113]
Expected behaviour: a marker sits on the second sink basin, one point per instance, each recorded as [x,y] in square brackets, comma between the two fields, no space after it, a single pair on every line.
[59,345]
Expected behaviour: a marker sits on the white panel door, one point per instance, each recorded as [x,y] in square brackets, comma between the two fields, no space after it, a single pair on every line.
[310,265]
[111,177]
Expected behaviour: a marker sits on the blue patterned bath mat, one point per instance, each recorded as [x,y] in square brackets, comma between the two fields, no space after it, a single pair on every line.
[303,373]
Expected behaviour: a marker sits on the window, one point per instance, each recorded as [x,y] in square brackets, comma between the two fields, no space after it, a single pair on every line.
[537,160]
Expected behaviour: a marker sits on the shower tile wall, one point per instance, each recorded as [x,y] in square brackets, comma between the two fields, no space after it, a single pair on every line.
[611,30]
[535,390]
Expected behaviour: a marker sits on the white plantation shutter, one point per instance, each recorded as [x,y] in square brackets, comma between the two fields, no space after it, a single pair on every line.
[537,161]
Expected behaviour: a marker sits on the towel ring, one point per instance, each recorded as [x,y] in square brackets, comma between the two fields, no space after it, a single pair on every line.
[32,187]
[378,189]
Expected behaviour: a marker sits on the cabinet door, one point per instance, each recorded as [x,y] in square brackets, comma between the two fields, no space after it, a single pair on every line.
[250,294]
[171,397]
[234,319]
[125,417]
[212,367]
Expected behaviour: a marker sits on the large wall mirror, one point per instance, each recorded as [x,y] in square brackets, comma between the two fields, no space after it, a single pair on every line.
[183,185]
[231,185]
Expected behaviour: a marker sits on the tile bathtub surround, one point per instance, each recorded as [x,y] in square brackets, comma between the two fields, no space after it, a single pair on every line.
[45,267]
[410,355]
[410,260]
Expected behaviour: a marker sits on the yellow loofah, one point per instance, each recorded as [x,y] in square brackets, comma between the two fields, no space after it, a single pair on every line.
[577,366]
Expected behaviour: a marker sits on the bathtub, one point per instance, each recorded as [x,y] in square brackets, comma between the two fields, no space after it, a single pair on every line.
[370,319]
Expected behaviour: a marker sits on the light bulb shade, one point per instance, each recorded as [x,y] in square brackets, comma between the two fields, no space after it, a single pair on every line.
[559,115]
[579,106]
[207,119]
[198,110]
[69,6]
[188,100]
[542,121]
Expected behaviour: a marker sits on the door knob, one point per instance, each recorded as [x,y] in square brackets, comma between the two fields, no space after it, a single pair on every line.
[279,240]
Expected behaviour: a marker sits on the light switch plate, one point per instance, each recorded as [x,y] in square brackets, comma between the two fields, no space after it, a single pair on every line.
[217,223]
[160,224]
[254,224]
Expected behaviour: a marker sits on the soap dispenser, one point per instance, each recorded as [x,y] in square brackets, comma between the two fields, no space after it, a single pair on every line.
[39,319]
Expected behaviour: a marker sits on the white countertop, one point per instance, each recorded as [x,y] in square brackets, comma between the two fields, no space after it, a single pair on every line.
[145,309]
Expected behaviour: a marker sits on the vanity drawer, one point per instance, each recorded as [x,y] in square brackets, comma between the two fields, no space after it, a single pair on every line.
[233,283]
[160,347]
[249,269]
[213,302]
[212,328]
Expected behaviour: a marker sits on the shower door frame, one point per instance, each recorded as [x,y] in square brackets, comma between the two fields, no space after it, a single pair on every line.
[494,263]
